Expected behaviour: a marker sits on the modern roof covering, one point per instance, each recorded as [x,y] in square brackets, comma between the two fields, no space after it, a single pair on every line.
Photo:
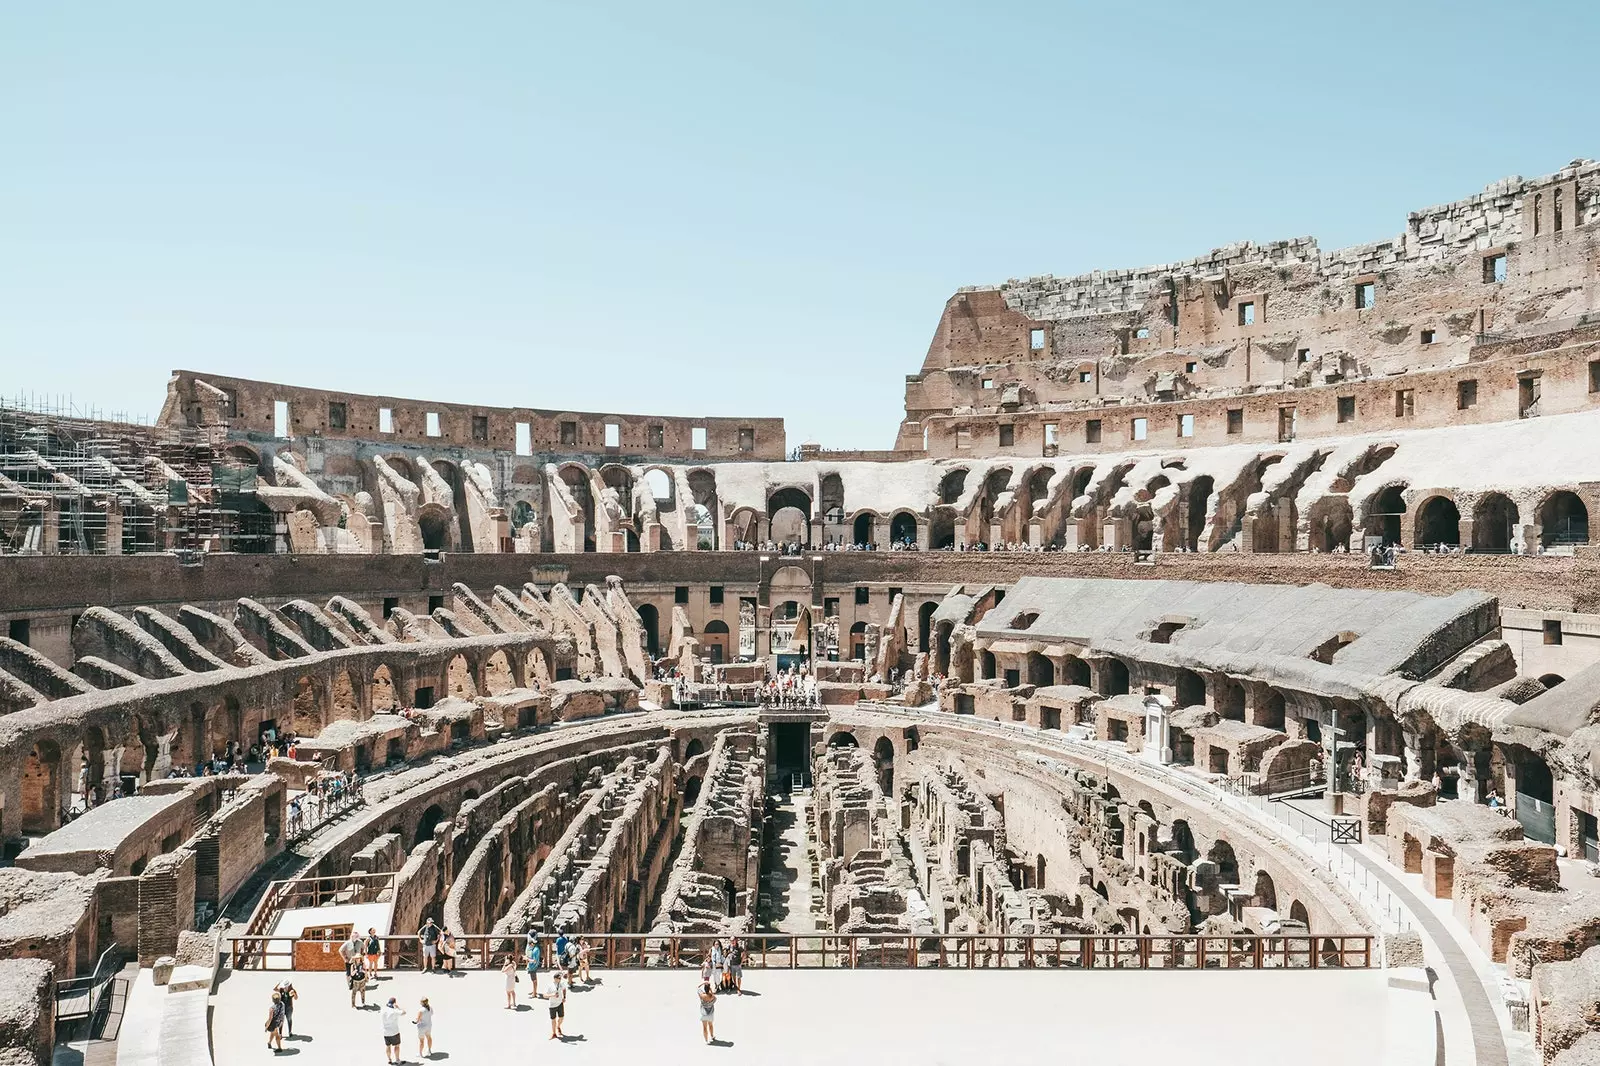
[103,828]
[1265,631]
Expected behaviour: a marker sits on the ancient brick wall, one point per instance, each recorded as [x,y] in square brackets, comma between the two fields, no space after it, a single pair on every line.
[166,904]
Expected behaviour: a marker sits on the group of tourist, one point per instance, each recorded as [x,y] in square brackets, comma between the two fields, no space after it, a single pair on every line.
[791,688]
[325,796]
[721,972]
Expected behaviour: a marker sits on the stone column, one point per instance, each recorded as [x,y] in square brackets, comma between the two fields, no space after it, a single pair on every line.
[50,528]
[163,761]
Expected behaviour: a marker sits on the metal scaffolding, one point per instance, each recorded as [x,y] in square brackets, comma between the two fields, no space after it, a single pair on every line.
[75,483]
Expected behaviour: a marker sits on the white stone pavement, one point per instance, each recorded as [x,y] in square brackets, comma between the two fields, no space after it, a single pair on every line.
[1108,1018]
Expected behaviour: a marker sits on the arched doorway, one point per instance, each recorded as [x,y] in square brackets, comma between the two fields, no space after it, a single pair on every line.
[383,698]
[1116,677]
[861,529]
[1563,520]
[883,758]
[925,625]
[858,641]
[1493,522]
[1074,671]
[1191,689]
[716,640]
[842,739]
[1387,512]
[789,516]
[1041,671]
[426,824]
[41,788]
[1438,524]
[458,678]
[650,623]
[693,748]
[903,529]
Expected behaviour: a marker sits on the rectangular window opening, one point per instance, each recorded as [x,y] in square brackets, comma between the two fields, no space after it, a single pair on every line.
[434,429]
[480,428]
[1405,403]
[1235,420]
[863,595]
[18,630]
[613,435]
[385,420]
[1051,429]
[1186,425]
[1247,313]
[747,439]
[1287,417]
[715,595]
[1303,356]
[1494,268]
[988,383]
[1141,428]
[1091,431]
[697,438]
[1594,375]
[336,414]
[1142,333]
[1190,367]
[1552,631]
[656,437]
[1347,408]
[1427,336]
[1085,376]
[524,439]
[1008,436]
[280,419]
[963,439]
[680,594]
[1367,295]
[1466,394]
[1036,340]
[569,434]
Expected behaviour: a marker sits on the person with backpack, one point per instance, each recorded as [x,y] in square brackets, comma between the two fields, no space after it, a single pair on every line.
[736,965]
[358,981]
[374,948]
[428,937]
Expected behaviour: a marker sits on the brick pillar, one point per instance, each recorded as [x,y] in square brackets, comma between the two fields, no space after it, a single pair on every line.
[166,904]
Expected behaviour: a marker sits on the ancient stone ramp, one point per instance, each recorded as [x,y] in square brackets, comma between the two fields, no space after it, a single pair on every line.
[268,632]
[107,635]
[221,637]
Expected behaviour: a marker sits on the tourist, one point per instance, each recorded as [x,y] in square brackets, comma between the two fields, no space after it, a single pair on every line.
[1494,799]
[708,1011]
[447,952]
[428,937]
[535,954]
[391,1017]
[351,950]
[560,958]
[374,947]
[287,991]
[358,981]
[717,959]
[424,1023]
[585,949]
[558,1005]
[509,968]
[736,965]
[275,1020]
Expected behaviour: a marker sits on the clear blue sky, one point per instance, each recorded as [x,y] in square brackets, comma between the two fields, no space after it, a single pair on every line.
[717,209]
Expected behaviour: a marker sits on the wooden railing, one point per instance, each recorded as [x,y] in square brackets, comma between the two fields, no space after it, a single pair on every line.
[309,892]
[1187,951]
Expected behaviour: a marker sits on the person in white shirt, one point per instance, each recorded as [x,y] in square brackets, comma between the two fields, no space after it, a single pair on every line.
[391,1017]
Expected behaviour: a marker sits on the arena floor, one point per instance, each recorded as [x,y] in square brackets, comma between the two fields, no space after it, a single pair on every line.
[1106,1018]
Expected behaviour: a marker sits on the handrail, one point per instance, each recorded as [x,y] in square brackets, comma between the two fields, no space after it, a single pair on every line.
[792,951]
[106,969]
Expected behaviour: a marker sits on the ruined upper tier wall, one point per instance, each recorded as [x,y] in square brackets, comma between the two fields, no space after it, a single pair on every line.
[246,407]
[1284,314]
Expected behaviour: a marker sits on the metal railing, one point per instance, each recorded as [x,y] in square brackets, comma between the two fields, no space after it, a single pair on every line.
[784,951]
[79,998]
